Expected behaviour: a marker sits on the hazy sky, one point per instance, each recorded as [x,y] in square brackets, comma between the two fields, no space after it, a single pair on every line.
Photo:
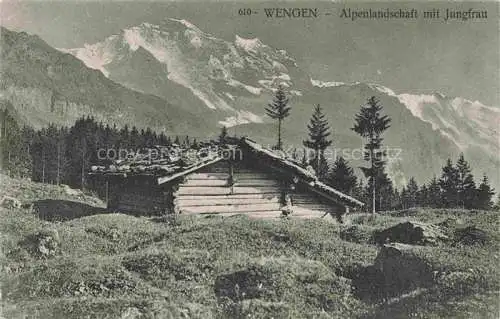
[458,58]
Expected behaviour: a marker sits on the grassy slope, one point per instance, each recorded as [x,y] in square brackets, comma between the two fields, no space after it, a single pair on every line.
[114,265]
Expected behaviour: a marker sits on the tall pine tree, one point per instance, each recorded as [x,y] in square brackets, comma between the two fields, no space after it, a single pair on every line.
[370,124]
[319,130]
[279,109]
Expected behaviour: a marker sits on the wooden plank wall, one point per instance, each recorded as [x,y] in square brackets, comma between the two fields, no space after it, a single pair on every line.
[310,205]
[208,192]
[255,192]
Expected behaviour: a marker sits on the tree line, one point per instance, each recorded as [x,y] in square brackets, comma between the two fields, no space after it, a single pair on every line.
[64,155]
[456,188]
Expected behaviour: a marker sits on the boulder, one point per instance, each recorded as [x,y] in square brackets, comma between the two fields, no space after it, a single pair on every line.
[10,202]
[414,233]
[70,191]
[403,270]
[397,269]
[471,235]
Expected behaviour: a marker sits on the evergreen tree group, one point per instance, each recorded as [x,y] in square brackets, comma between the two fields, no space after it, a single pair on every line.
[455,188]
[62,155]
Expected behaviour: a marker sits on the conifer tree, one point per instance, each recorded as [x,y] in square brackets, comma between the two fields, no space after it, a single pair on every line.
[404,198]
[279,109]
[466,187]
[148,137]
[370,124]
[497,204]
[134,138]
[449,185]
[385,191]
[396,199]
[323,169]
[435,195]
[124,137]
[359,191]
[342,176]
[319,130]
[484,195]
[412,189]
[177,141]
[422,196]
[223,135]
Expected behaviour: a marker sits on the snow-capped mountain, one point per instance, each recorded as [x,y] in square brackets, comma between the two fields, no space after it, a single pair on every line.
[468,124]
[212,69]
[202,82]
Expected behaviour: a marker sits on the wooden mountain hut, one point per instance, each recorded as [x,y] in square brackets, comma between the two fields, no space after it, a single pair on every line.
[241,178]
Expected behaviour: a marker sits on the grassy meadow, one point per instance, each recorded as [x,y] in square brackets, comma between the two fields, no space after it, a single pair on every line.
[109,265]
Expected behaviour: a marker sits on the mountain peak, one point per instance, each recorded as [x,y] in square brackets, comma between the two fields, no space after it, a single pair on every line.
[185,23]
[249,45]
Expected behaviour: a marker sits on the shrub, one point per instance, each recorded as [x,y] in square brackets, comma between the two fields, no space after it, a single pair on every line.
[357,234]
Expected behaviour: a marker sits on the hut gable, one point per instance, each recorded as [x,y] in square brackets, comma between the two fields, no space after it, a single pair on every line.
[303,175]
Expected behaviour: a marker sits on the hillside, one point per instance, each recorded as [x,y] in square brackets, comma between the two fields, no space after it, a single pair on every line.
[120,266]
[47,86]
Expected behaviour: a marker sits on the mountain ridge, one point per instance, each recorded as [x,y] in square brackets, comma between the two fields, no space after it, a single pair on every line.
[238,81]
[47,86]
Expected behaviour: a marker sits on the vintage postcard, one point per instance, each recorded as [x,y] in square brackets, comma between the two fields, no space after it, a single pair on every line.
[249,159]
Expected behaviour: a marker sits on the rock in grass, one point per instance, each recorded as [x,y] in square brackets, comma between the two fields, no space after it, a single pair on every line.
[471,236]
[10,202]
[413,233]
[43,244]
[402,269]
